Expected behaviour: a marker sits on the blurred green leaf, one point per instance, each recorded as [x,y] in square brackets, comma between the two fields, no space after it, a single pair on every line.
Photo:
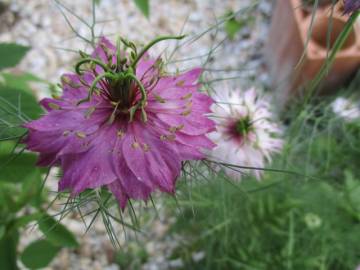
[15,169]
[16,106]
[24,102]
[2,231]
[19,81]
[11,54]
[8,251]
[31,189]
[353,190]
[39,254]
[57,233]
[24,220]
[232,25]
[144,7]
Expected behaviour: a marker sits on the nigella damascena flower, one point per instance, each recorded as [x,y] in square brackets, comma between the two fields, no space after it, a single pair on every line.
[122,122]
[351,6]
[346,109]
[246,134]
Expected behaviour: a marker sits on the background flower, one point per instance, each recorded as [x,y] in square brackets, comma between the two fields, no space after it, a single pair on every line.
[346,109]
[246,135]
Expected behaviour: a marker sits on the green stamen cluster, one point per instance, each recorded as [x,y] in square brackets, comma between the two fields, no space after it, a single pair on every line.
[243,126]
[121,75]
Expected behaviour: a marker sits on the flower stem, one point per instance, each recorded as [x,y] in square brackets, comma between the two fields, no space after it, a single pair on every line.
[152,43]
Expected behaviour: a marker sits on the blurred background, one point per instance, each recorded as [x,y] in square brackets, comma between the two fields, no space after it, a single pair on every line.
[304,216]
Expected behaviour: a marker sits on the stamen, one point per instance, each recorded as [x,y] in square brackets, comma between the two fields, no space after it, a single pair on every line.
[146,147]
[56,97]
[174,129]
[135,145]
[67,81]
[187,96]
[80,134]
[113,114]
[89,112]
[106,50]
[159,99]
[170,137]
[83,54]
[121,133]
[93,85]
[186,113]
[180,83]
[54,106]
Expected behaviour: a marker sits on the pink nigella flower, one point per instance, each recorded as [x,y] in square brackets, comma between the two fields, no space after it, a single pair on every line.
[122,122]
[246,133]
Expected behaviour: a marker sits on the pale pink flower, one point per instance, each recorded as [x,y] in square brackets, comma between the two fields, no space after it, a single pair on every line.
[246,133]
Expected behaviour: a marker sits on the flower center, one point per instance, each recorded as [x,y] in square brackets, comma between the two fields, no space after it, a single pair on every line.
[119,77]
[123,93]
[243,126]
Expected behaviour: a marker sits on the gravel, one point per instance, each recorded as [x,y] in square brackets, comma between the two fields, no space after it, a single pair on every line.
[40,24]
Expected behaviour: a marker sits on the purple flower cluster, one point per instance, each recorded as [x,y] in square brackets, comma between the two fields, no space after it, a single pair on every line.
[127,132]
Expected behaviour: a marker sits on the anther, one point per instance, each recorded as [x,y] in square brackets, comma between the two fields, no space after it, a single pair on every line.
[174,129]
[135,145]
[146,147]
[186,113]
[180,83]
[187,96]
[71,83]
[54,106]
[159,99]
[80,134]
[170,137]
[89,112]
[120,133]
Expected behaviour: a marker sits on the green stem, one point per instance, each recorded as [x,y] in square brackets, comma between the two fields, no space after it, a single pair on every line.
[118,51]
[152,43]
[87,60]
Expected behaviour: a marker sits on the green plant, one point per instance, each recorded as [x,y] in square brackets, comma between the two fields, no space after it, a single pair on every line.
[288,220]
[283,224]
[233,24]
[22,195]
[143,6]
